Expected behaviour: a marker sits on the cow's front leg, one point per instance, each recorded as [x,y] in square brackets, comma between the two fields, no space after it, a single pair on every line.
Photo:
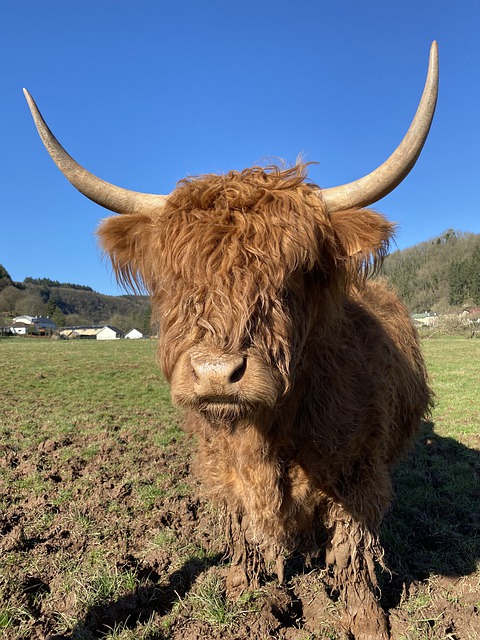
[248,568]
[351,555]
[353,550]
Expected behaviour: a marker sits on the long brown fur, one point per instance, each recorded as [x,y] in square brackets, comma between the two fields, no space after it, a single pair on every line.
[334,389]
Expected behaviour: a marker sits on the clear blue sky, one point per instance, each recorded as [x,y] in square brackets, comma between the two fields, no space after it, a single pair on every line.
[144,93]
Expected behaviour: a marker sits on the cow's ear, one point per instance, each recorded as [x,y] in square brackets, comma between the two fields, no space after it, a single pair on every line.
[363,235]
[125,239]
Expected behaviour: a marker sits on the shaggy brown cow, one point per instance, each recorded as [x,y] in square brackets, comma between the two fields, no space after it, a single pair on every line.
[302,381]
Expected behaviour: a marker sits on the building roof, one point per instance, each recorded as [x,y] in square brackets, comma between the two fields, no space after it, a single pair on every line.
[24,318]
[427,314]
[88,330]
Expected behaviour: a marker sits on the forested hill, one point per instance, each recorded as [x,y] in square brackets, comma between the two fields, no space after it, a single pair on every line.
[437,275]
[71,304]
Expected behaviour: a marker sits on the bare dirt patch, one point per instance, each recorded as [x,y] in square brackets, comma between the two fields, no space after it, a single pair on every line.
[121,540]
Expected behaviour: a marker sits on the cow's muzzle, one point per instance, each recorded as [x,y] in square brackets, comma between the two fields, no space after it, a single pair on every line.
[228,384]
[217,376]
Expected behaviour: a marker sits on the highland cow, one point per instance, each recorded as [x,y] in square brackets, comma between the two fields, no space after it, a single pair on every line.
[301,378]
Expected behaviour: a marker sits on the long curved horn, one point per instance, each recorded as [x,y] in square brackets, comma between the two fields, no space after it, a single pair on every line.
[387,176]
[103,193]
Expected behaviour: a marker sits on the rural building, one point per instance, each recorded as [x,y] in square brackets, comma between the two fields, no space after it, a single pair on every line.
[19,328]
[91,332]
[427,319]
[134,334]
[471,316]
[32,324]
[83,332]
[39,325]
[109,333]
[46,323]
[26,320]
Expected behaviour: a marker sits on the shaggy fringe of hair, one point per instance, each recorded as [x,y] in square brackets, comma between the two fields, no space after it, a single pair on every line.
[277,194]
[232,256]
[234,243]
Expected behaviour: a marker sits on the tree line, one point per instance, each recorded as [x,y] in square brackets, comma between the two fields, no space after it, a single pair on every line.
[47,283]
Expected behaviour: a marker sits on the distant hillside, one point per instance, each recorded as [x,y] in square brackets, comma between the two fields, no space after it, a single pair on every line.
[71,304]
[439,274]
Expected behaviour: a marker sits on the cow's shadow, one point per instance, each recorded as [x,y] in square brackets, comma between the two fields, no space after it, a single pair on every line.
[133,609]
[433,527]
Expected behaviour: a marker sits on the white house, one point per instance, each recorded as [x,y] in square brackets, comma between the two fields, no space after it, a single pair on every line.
[38,324]
[18,328]
[134,334]
[109,333]
[427,319]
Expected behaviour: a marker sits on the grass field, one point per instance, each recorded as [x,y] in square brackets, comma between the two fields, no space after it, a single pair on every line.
[105,534]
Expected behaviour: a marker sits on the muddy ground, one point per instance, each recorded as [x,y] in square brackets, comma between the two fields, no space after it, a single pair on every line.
[122,542]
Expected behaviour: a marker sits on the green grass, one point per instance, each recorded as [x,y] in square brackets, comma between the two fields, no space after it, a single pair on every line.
[209,603]
[454,368]
[63,386]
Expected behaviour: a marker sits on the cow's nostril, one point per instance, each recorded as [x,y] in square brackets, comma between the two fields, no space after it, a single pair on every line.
[237,375]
